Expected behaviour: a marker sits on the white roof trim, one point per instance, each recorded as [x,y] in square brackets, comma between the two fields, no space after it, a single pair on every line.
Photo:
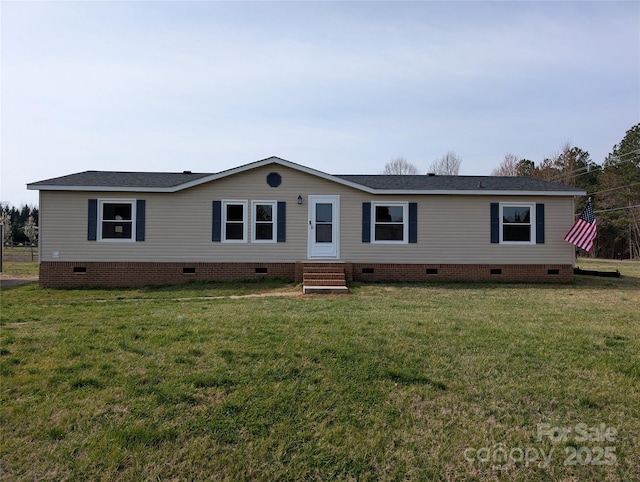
[282,162]
[474,192]
[400,192]
[107,188]
[212,177]
[307,170]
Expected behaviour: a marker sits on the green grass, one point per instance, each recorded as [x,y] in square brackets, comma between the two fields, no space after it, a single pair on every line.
[17,262]
[391,382]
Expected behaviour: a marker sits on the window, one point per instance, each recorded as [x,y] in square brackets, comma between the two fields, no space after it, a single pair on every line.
[229,221]
[234,221]
[265,214]
[117,220]
[517,223]
[324,222]
[390,223]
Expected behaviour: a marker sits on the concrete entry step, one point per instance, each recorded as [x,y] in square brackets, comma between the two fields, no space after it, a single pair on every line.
[324,290]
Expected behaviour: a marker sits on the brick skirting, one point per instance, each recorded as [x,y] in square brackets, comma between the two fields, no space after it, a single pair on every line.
[71,274]
[66,274]
[462,272]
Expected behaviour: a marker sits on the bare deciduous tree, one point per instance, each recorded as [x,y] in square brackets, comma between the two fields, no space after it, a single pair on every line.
[565,165]
[399,165]
[508,166]
[5,220]
[31,231]
[447,165]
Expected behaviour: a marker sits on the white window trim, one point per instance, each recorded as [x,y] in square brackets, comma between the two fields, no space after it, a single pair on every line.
[245,206]
[532,222]
[101,203]
[274,221]
[405,222]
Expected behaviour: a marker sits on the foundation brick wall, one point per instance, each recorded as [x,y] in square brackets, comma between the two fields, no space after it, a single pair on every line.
[462,272]
[64,274]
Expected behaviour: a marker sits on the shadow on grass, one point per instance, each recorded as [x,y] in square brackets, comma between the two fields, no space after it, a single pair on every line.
[240,286]
[625,283]
[13,283]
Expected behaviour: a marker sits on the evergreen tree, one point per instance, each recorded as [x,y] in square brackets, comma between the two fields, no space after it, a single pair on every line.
[619,199]
[614,188]
[14,231]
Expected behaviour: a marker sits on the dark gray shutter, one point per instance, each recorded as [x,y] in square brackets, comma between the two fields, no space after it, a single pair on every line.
[140,219]
[282,222]
[92,221]
[216,235]
[495,222]
[539,223]
[413,222]
[366,222]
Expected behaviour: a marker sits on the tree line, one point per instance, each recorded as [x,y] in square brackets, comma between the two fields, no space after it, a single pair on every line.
[613,186]
[20,226]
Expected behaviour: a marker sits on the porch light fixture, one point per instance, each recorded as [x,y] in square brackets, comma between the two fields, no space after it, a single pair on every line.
[299,199]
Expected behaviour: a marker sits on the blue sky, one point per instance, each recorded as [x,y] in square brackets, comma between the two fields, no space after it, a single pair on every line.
[342,87]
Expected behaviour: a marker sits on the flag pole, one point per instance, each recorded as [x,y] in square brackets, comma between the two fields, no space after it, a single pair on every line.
[588,202]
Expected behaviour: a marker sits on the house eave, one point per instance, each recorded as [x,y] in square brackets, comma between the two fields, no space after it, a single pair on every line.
[204,180]
[474,192]
[282,162]
[394,192]
[298,167]
[105,188]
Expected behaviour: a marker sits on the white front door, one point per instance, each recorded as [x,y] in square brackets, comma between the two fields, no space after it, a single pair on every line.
[324,222]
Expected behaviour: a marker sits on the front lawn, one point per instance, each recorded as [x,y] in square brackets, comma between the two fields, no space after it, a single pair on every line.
[452,381]
[19,262]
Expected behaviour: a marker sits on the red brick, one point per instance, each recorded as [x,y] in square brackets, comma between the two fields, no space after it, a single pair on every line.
[61,273]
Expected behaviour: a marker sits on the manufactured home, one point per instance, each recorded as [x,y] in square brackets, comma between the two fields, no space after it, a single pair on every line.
[276,218]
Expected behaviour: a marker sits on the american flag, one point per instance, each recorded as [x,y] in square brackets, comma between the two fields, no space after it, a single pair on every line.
[583,231]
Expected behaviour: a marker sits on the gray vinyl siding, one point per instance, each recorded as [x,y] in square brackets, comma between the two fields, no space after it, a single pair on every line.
[179,225]
[451,229]
[456,229]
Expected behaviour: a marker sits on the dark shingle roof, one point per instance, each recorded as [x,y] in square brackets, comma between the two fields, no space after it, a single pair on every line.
[420,184]
[454,183]
[123,179]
